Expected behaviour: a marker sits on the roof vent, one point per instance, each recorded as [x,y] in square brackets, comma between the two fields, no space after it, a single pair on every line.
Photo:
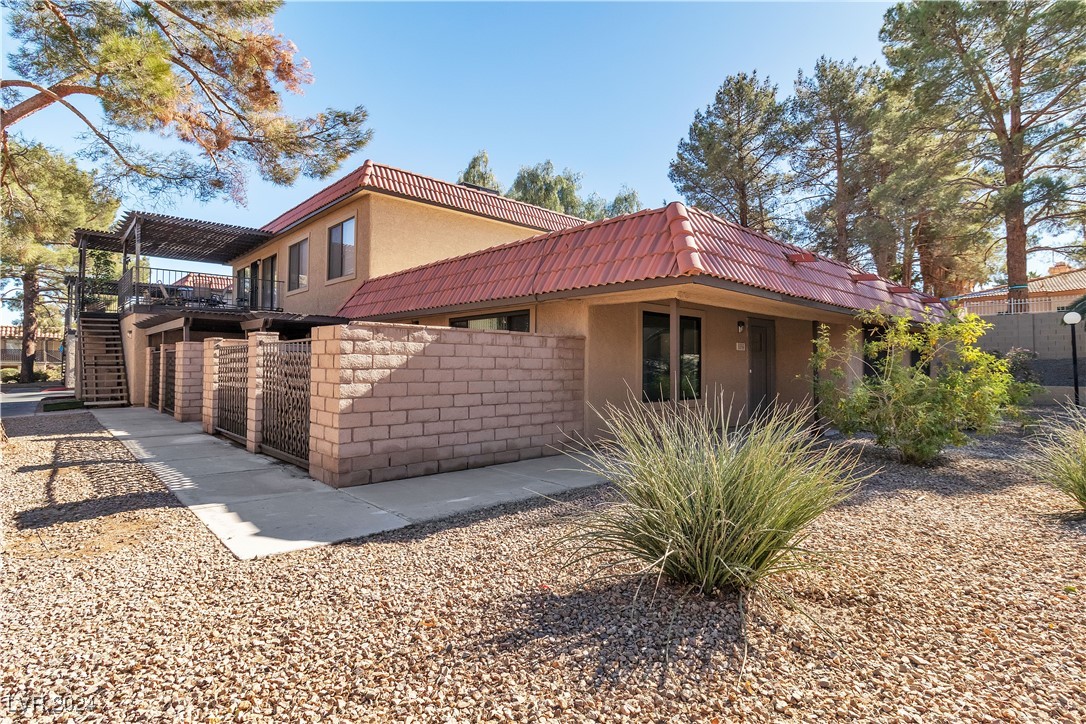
[477,187]
[864,277]
[899,289]
[800,257]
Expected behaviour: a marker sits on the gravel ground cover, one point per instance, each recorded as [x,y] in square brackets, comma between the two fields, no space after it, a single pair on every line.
[952,594]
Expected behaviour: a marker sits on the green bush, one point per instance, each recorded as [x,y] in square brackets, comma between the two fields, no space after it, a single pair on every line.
[706,504]
[924,386]
[49,374]
[1062,452]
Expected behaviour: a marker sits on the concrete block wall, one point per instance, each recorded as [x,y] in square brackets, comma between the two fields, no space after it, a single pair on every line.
[188,381]
[393,401]
[1043,333]
[210,398]
[255,398]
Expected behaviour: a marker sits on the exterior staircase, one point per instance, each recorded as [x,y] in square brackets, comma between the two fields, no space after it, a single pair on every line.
[102,378]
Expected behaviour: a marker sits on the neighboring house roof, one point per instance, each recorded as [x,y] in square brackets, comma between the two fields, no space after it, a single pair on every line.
[386,179]
[673,242]
[1065,284]
[216,282]
[15,330]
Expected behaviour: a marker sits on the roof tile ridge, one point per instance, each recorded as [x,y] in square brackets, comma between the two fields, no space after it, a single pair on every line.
[683,241]
[474,192]
[367,173]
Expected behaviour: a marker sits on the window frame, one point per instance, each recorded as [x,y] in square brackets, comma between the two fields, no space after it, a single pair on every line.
[344,274]
[292,274]
[462,322]
[698,314]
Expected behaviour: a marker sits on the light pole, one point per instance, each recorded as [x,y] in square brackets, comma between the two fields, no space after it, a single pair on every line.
[1071,319]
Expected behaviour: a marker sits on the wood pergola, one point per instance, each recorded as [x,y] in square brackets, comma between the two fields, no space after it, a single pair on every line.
[140,233]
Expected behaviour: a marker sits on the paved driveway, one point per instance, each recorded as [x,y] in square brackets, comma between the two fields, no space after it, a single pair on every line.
[24,401]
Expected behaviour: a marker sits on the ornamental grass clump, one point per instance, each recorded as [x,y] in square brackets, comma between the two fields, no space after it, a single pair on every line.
[1062,452]
[706,504]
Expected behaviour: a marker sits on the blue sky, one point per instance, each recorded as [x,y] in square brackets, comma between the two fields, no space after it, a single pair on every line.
[606,89]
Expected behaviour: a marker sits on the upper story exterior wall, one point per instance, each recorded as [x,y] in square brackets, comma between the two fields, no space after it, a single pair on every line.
[405,234]
[391,234]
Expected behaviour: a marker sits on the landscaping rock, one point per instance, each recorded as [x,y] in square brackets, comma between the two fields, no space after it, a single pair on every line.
[947,594]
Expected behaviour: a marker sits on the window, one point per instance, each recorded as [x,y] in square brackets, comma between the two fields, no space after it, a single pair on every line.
[690,357]
[341,249]
[298,265]
[656,357]
[518,321]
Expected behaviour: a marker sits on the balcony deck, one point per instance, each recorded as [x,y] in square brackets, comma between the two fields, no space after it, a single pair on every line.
[146,289]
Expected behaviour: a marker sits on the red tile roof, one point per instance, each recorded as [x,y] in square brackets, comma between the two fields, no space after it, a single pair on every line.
[218,282]
[386,179]
[673,242]
[1069,282]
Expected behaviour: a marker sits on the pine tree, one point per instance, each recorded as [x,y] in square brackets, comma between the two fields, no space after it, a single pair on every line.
[207,74]
[48,199]
[730,163]
[1008,79]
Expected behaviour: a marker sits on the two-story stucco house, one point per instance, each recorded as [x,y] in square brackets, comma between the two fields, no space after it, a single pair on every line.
[670,302]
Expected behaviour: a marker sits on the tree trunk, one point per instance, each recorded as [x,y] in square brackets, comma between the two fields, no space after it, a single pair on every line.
[840,210]
[30,323]
[1014,217]
[930,269]
[907,257]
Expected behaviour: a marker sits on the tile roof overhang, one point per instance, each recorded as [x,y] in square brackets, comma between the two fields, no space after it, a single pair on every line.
[377,177]
[671,245]
[172,237]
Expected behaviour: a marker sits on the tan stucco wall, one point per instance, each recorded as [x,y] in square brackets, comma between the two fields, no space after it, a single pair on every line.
[134,342]
[320,296]
[611,327]
[391,234]
[404,234]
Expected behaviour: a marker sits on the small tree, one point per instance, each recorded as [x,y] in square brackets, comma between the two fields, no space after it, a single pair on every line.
[479,173]
[923,384]
[543,186]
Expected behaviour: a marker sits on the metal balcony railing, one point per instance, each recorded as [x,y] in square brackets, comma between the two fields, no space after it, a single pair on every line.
[149,287]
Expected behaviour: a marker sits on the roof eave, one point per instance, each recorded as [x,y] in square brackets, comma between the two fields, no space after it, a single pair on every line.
[702,279]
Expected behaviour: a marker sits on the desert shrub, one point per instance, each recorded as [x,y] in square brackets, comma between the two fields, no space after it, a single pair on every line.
[704,503]
[1020,365]
[50,373]
[1062,452]
[924,384]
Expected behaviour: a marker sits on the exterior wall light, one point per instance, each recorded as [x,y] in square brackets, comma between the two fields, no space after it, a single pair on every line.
[742,327]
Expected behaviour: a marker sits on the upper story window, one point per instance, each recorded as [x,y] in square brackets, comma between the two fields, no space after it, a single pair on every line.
[298,265]
[341,249]
[518,321]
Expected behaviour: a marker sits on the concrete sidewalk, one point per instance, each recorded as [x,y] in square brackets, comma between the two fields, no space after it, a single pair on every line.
[258,506]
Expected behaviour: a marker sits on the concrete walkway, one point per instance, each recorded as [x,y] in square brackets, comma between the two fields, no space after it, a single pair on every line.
[258,506]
